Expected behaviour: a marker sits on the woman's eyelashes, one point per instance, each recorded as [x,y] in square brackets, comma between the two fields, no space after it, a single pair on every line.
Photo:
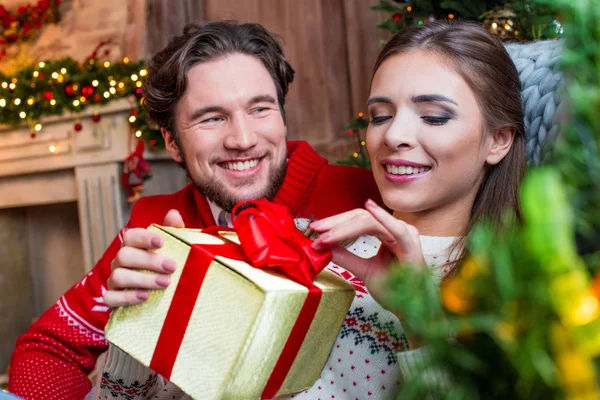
[429,119]
[378,120]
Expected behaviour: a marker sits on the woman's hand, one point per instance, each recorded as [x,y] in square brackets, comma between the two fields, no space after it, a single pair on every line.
[128,285]
[399,241]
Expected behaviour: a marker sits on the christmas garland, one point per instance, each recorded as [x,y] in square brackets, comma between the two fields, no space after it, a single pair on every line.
[53,87]
[19,27]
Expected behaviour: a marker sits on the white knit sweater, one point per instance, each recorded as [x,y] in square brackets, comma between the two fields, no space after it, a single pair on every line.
[368,361]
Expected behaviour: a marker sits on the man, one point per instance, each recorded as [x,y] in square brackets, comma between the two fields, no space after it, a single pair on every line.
[218,93]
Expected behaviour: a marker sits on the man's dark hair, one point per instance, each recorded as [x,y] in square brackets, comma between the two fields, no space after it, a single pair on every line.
[167,70]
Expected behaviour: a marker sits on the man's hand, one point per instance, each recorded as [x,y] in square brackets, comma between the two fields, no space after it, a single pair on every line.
[128,285]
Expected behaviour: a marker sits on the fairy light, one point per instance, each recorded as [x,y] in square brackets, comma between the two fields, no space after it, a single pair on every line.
[451,16]
[360,114]
[12,86]
[138,133]
[92,61]
[23,114]
[121,85]
[106,64]
[55,75]
[420,22]
[355,154]
[132,118]
[42,64]
[362,143]
[52,102]
[36,74]
[138,84]
[76,103]
[30,101]
[82,99]
[63,70]
[134,77]
[113,82]
[112,90]
[61,78]
[95,83]
[38,127]
[125,60]
[2,103]
[4,85]
[143,72]
[507,27]
[106,95]
[409,8]
[14,80]
[52,148]
[17,101]
[494,25]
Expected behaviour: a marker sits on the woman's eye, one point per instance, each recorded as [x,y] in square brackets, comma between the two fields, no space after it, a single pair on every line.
[435,120]
[379,120]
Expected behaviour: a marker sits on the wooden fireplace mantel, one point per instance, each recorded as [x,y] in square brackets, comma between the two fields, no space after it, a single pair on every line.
[61,165]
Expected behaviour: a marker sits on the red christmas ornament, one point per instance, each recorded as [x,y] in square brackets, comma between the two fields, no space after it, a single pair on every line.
[87,91]
[153,142]
[70,90]
[134,113]
[97,99]
[78,127]
[350,131]
[397,17]
[95,117]
[48,95]
[138,93]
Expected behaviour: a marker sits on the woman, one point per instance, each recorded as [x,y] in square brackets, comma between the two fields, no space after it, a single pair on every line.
[446,144]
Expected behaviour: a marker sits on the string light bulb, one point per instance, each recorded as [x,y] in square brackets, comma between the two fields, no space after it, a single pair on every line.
[17,101]
[30,101]
[4,85]
[134,77]
[132,118]
[63,70]
[121,85]
[12,86]
[113,82]
[138,84]
[52,148]
[2,103]
[106,64]
[76,103]
[125,60]
[36,74]
[355,154]
[95,83]
[55,75]
[106,95]
[52,102]
[138,133]
[23,114]
[143,72]
[360,114]
[42,64]
[38,127]
[112,90]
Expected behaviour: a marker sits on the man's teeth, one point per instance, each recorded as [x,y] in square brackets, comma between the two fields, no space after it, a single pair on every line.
[403,170]
[241,165]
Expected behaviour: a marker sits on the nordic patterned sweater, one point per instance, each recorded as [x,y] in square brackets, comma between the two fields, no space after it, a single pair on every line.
[52,360]
[368,361]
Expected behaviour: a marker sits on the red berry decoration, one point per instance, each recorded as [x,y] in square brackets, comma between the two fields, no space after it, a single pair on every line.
[97,99]
[78,127]
[95,117]
[397,17]
[70,90]
[32,134]
[138,93]
[87,91]
[48,95]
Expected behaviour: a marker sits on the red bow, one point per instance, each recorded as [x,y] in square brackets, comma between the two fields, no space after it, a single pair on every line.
[270,239]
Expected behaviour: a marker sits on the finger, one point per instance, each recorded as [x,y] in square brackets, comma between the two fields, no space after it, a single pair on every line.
[173,219]
[142,239]
[351,262]
[130,257]
[118,298]
[124,278]
[396,227]
[363,224]
[329,222]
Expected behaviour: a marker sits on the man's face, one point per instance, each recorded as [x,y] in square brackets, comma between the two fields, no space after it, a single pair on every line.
[231,131]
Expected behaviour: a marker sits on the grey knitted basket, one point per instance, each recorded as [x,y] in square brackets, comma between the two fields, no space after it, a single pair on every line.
[537,63]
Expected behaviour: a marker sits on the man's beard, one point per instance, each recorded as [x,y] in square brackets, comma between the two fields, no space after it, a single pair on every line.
[215,191]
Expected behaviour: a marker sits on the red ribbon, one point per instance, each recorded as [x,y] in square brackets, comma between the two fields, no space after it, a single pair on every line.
[269,239]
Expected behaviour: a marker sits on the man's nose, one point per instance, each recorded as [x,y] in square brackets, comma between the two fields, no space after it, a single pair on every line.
[241,135]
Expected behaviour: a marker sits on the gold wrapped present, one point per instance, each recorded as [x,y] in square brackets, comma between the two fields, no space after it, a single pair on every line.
[230,330]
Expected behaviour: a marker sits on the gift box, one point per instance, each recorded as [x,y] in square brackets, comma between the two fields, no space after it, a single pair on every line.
[248,321]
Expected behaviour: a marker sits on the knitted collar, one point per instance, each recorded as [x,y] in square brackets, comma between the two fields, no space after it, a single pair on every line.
[303,166]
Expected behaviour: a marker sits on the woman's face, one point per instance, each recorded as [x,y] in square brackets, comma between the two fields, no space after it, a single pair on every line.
[425,136]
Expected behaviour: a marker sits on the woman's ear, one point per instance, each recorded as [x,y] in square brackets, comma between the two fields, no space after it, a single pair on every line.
[171,145]
[502,140]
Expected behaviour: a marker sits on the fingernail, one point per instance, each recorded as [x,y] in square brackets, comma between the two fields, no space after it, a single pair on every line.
[163,280]
[169,265]
[315,224]
[141,295]
[371,203]
[156,242]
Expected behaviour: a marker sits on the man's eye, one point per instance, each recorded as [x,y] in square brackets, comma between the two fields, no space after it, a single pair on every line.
[212,119]
[379,120]
[431,120]
[260,110]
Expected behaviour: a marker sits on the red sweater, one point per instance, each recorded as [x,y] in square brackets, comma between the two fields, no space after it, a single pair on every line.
[52,359]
